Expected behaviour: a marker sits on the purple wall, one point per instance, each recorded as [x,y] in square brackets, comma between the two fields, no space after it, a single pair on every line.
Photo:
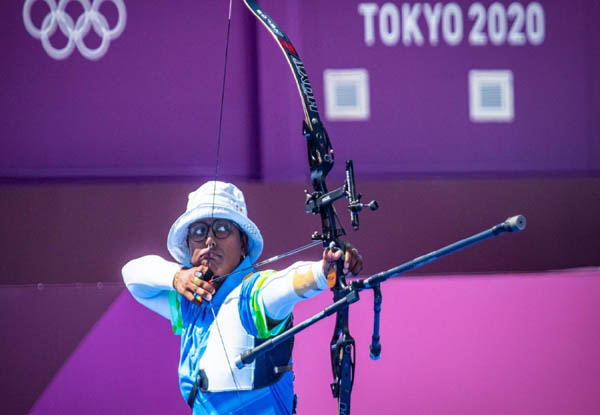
[95,227]
[419,96]
[42,326]
[153,97]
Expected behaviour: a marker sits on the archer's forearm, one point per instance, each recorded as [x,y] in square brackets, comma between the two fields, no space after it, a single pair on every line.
[283,290]
[149,279]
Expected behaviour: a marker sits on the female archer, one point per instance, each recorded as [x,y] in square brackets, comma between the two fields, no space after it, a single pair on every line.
[222,307]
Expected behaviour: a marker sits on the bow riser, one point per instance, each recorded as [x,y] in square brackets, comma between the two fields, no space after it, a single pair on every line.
[320,201]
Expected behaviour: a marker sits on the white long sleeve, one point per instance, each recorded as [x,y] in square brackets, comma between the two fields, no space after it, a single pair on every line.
[279,294]
[149,279]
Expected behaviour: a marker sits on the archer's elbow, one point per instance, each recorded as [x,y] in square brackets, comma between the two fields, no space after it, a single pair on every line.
[134,279]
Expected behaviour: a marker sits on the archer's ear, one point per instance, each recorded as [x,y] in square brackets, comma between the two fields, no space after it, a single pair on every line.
[244,239]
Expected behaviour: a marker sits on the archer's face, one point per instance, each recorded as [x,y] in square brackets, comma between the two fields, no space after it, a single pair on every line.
[216,243]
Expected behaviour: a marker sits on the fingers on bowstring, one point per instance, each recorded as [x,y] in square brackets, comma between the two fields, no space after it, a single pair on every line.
[189,295]
[198,289]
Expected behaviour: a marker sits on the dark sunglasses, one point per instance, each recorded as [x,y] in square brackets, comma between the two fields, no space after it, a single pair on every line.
[221,228]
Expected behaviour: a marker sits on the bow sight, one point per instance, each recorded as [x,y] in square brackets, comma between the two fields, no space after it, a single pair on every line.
[317,200]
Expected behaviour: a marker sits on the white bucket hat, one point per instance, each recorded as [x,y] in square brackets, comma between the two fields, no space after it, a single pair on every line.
[214,199]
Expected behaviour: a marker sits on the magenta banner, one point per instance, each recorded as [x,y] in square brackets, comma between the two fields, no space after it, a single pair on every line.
[499,344]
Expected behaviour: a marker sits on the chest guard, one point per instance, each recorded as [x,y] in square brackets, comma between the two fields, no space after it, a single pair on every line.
[217,370]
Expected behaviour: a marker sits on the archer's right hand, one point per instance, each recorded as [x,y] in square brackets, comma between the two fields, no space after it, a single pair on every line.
[191,286]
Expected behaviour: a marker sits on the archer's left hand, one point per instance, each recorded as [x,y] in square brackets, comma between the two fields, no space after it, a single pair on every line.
[353,262]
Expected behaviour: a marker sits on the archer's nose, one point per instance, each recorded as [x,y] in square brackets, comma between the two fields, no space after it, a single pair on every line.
[210,240]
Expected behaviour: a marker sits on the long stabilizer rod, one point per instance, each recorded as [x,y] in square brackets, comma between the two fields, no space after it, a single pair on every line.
[513,224]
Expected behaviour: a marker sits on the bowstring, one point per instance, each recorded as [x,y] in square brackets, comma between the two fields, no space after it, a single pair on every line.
[220,130]
[235,382]
[216,175]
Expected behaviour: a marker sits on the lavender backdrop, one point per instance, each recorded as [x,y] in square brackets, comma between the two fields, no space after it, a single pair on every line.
[150,105]
[153,97]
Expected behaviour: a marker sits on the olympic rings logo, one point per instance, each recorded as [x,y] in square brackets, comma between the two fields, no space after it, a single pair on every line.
[75,32]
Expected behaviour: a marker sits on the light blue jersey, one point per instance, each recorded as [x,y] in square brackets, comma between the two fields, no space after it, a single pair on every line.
[237,309]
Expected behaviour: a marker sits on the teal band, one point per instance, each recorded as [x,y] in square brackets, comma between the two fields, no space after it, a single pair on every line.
[175,312]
